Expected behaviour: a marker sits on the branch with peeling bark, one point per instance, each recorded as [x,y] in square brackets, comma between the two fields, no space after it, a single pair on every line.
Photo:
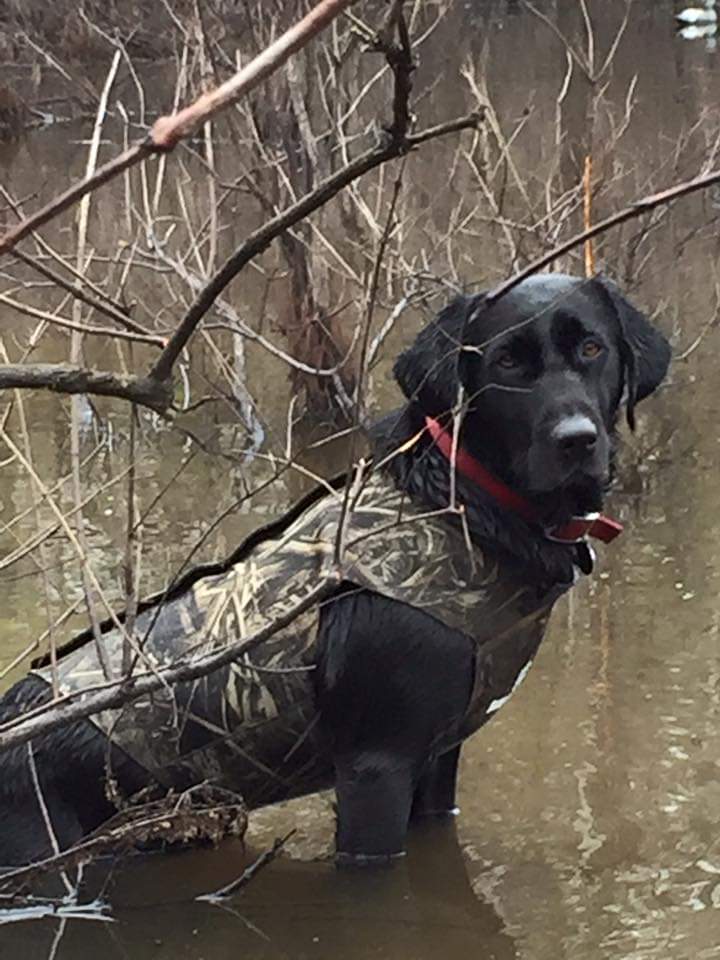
[68,378]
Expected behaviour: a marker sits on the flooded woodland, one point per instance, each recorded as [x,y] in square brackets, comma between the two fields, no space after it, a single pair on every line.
[590,807]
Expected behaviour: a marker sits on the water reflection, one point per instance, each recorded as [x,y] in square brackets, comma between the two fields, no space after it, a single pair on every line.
[423,908]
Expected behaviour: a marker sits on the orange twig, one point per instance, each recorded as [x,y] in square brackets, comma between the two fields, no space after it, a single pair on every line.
[636,209]
[587,217]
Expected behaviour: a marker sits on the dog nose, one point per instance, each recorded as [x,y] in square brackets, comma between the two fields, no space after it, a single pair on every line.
[575,436]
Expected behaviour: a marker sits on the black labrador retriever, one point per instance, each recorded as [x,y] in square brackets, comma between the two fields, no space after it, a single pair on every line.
[503,450]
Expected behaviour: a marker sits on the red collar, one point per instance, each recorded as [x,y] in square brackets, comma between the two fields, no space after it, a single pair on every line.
[591,525]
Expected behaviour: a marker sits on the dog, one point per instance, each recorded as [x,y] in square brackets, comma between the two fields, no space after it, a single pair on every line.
[493,475]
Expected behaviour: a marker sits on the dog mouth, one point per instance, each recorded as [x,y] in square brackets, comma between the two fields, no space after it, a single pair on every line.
[579,494]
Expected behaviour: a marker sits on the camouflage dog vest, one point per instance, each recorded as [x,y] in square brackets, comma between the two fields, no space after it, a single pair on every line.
[252,726]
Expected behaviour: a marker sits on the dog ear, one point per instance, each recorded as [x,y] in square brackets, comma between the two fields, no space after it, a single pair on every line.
[646,351]
[428,370]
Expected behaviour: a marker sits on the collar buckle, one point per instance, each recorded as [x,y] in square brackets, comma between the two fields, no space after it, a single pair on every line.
[576,530]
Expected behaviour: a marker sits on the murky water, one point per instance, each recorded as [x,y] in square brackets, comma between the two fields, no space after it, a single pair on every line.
[590,808]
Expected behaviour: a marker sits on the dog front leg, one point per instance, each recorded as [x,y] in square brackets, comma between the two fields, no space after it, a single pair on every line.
[374,796]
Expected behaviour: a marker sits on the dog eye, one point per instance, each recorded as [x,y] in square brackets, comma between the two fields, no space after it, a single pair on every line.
[591,349]
[506,360]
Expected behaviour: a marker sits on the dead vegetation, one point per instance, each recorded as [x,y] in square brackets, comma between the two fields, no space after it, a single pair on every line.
[204,815]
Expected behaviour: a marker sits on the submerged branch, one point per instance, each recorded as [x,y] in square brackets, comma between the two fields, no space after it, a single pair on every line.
[201,814]
[230,889]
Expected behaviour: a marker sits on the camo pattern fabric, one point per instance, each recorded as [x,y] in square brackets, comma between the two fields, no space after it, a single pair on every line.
[252,726]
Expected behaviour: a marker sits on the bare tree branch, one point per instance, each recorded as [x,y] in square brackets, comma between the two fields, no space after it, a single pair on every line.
[52,318]
[67,378]
[154,391]
[644,205]
[64,201]
[78,293]
[169,131]
[387,149]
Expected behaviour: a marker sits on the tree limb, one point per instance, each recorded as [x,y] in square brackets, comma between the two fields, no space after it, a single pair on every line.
[388,148]
[68,378]
[68,198]
[53,318]
[169,131]
[636,209]
[76,291]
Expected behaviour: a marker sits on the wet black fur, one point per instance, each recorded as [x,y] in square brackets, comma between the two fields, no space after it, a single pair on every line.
[429,372]
[393,684]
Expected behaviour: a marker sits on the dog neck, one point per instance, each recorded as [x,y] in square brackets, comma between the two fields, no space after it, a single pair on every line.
[577,529]
[403,446]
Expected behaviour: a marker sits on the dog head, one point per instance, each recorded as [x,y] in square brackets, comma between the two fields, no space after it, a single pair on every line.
[542,373]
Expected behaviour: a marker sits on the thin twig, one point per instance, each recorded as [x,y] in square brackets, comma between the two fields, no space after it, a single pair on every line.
[637,209]
[54,320]
[587,216]
[40,797]
[83,216]
[248,874]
